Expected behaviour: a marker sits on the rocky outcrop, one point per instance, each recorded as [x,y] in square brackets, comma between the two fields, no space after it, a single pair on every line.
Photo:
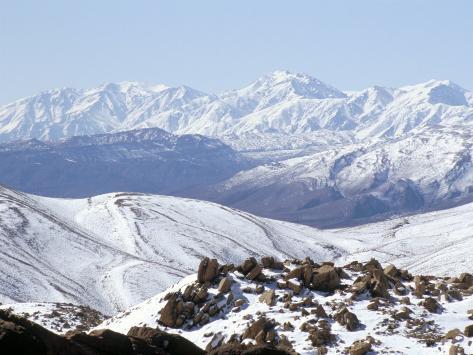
[22,337]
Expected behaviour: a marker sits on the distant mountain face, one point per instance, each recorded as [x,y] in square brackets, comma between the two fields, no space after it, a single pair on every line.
[279,103]
[147,160]
[424,170]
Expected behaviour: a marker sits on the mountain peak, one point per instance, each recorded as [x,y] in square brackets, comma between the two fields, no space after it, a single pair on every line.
[438,92]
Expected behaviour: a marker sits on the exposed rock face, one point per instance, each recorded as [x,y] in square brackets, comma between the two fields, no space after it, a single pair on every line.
[172,343]
[208,270]
[20,336]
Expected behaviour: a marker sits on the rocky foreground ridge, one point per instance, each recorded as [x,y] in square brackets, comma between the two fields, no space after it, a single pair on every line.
[275,307]
[300,306]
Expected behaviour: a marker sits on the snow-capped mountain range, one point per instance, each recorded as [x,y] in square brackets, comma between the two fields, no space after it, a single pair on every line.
[113,251]
[280,103]
[335,157]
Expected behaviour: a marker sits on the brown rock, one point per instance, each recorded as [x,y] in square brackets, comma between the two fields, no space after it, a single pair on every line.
[468,332]
[372,265]
[208,270]
[294,286]
[258,326]
[248,265]
[267,297]
[307,275]
[380,284]
[225,284]
[267,261]
[452,334]
[325,279]
[295,273]
[347,319]
[255,272]
[432,305]
[359,347]
[392,271]
[320,312]
[168,314]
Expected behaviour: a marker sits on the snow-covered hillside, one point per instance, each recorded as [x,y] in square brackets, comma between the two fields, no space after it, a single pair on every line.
[113,251]
[282,102]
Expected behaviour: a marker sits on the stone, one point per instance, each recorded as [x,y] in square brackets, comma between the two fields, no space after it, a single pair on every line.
[295,286]
[468,332]
[267,297]
[372,265]
[320,312]
[239,302]
[391,271]
[215,342]
[254,273]
[347,319]
[261,325]
[359,347]
[295,273]
[168,314]
[325,279]
[225,284]
[432,305]
[248,265]
[208,270]
[380,284]
[267,261]
[452,334]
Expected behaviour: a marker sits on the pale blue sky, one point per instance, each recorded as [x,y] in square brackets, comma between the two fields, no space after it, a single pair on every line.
[219,45]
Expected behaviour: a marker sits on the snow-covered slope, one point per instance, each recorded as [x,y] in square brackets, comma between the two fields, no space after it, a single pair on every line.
[282,102]
[113,251]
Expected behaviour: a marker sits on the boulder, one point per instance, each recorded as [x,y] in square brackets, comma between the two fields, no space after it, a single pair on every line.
[247,265]
[267,297]
[168,314]
[359,347]
[468,332]
[254,273]
[392,271]
[432,305]
[267,261]
[325,279]
[225,284]
[347,319]
[208,270]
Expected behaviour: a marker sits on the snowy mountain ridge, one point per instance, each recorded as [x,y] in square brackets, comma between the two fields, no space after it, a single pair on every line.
[281,102]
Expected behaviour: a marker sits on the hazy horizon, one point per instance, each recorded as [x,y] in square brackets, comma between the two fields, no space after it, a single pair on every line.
[215,47]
